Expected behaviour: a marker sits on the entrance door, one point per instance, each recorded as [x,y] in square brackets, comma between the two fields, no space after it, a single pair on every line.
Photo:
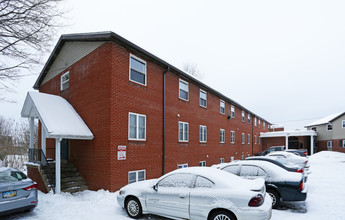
[64,149]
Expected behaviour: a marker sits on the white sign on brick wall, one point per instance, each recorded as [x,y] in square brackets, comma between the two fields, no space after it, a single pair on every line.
[121,152]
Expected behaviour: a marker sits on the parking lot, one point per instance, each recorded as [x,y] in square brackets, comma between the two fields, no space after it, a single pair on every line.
[325,198]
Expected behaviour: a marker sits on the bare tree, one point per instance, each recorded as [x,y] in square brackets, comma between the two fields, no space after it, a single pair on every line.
[27,28]
[192,69]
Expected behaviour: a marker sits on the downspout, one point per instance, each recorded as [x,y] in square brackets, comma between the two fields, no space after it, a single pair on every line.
[163,150]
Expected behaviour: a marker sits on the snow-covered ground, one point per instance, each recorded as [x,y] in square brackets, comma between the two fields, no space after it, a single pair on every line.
[325,198]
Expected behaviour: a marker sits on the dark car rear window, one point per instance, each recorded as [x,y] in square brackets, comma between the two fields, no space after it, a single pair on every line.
[11,176]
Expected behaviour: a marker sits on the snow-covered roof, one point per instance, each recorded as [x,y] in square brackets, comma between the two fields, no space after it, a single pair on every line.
[288,133]
[325,120]
[57,115]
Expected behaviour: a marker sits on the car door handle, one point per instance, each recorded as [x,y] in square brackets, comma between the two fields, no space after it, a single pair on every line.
[182,196]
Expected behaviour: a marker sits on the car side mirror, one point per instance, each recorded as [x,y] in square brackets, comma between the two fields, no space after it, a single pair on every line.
[155,187]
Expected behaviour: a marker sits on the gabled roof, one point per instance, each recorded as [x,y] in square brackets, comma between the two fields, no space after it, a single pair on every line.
[326,120]
[57,116]
[111,36]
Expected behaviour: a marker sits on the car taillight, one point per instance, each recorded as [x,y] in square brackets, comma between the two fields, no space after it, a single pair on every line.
[301,186]
[299,171]
[306,162]
[256,201]
[305,153]
[33,186]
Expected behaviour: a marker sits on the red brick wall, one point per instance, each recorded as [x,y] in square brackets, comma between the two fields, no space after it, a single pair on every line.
[35,175]
[322,146]
[272,141]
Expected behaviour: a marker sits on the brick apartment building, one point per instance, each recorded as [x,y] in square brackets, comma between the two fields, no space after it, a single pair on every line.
[165,118]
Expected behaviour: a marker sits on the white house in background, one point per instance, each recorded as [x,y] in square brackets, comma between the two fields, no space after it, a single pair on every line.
[330,132]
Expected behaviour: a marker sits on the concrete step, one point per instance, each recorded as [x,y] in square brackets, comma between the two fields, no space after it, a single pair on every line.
[75,189]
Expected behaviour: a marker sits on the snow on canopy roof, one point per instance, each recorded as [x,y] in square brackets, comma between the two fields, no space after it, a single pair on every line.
[57,115]
[325,120]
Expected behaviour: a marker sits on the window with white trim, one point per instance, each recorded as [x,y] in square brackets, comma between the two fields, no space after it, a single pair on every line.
[343,143]
[264,125]
[255,139]
[243,138]
[248,138]
[329,127]
[183,90]
[222,136]
[242,157]
[137,70]
[255,121]
[203,133]
[183,129]
[222,107]
[343,124]
[232,137]
[232,159]
[259,140]
[65,81]
[232,111]
[243,118]
[248,118]
[179,166]
[203,98]
[202,163]
[136,176]
[259,123]
[221,160]
[329,144]
[136,127]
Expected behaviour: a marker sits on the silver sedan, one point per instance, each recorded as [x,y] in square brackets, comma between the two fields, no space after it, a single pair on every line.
[17,191]
[198,193]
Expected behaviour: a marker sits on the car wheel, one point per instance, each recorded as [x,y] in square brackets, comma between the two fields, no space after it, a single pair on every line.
[133,207]
[222,215]
[275,198]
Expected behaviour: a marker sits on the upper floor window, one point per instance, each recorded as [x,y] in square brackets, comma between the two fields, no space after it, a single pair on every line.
[183,131]
[203,133]
[259,123]
[264,125]
[232,111]
[137,127]
[65,81]
[222,136]
[248,118]
[232,136]
[343,124]
[243,118]
[202,163]
[203,98]
[184,90]
[248,138]
[222,107]
[255,121]
[329,127]
[313,128]
[243,138]
[136,176]
[137,70]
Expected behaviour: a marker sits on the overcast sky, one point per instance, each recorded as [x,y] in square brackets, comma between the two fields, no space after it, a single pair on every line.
[283,60]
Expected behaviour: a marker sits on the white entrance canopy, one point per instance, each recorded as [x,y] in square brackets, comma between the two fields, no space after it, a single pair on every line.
[287,134]
[59,120]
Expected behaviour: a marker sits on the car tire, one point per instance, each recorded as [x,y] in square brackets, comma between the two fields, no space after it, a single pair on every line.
[222,215]
[275,198]
[133,207]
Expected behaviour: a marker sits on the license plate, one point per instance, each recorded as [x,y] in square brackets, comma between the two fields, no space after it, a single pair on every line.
[9,194]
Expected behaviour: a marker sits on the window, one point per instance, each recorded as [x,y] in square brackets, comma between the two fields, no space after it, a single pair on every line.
[177,180]
[330,144]
[65,81]
[243,118]
[203,133]
[136,176]
[248,118]
[183,131]
[184,90]
[243,138]
[259,123]
[137,127]
[202,163]
[137,70]
[255,121]
[232,111]
[221,160]
[313,128]
[259,140]
[203,182]
[232,136]
[222,107]
[234,169]
[343,143]
[343,124]
[222,136]
[248,138]
[182,165]
[329,127]
[264,125]
[242,157]
[203,98]
[255,139]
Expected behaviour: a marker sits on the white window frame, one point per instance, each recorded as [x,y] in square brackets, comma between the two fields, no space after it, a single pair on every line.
[204,92]
[232,159]
[255,121]
[264,125]
[202,163]
[137,175]
[130,67]
[343,143]
[232,111]
[328,125]
[232,137]
[259,140]
[63,82]
[343,124]
[137,127]
[221,160]
[248,139]
[203,133]
[179,84]
[255,139]
[243,117]
[329,144]
[183,131]
[243,137]
[222,136]
[249,118]
[259,123]
[220,104]
[183,165]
